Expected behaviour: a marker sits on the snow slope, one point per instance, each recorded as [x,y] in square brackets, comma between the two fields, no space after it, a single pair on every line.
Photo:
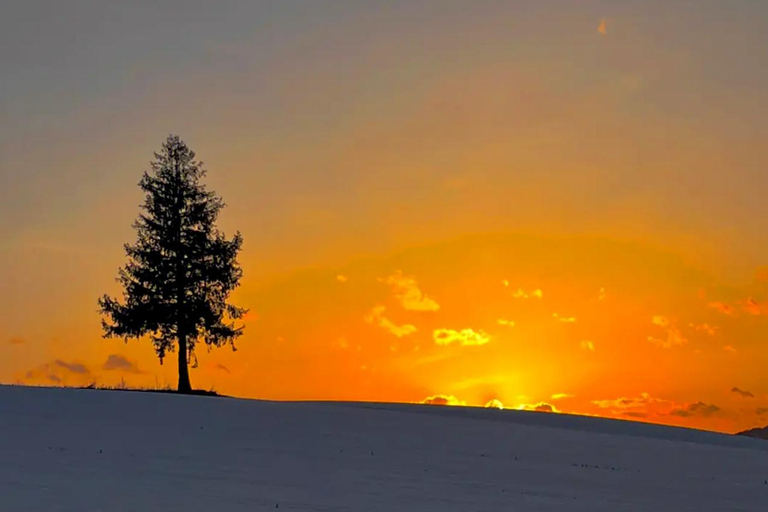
[82,450]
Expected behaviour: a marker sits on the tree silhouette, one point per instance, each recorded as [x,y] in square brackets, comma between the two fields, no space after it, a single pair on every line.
[181,269]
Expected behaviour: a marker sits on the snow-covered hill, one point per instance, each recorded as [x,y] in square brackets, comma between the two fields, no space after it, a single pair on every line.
[83,450]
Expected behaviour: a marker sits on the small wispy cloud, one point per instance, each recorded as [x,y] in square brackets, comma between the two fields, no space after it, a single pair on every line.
[587,345]
[754,307]
[59,372]
[116,362]
[408,293]
[642,401]
[222,368]
[508,323]
[466,337]
[705,328]
[376,317]
[602,28]
[17,341]
[674,337]
[522,294]
[561,396]
[696,409]
[342,278]
[72,367]
[729,348]
[742,393]
[564,319]
[722,307]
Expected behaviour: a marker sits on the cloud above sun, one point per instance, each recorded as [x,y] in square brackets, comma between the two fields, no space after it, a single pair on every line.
[466,337]
[494,403]
[376,317]
[443,400]
[407,291]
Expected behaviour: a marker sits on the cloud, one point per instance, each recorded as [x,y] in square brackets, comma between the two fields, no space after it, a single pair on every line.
[17,341]
[742,393]
[494,404]
[602,295]
[72,367]
[696,409]
[442,400]
[761,410]
[587,345]
[521,294]
[560,396]
[58,372]
[673,338]
[602,28]
[754,307]
[565,319]
[729,348]
[508,323]
[408,293]
[342,278]
[750,305]
[635,414]
[722,307]
[464,337]
[705,328]
[116,362]
[643,400]
[221,367]
[376,317]
[539,407]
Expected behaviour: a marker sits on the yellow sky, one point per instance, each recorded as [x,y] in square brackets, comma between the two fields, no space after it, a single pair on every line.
[534,203]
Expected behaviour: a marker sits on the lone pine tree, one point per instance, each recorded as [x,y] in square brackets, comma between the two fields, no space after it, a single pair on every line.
[181,269]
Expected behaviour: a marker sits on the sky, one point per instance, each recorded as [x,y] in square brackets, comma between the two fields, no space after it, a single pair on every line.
[539,205]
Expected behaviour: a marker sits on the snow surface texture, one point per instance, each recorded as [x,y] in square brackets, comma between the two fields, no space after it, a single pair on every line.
[83,450]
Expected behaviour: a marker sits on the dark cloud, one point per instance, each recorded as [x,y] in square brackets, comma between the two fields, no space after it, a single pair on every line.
[742,393]
[17,341]
[116,362]
[544,407]
[221,367]
[635,414]
[761,410]
[72,367]
[59,372]
[696,409]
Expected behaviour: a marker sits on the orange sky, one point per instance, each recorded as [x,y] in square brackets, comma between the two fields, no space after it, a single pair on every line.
[534,203]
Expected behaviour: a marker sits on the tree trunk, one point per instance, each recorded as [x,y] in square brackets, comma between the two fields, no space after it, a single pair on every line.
[184,385]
